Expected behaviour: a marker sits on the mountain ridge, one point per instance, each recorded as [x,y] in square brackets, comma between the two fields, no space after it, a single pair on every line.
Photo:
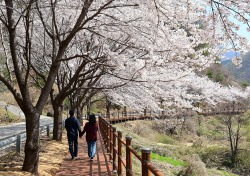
[240,74]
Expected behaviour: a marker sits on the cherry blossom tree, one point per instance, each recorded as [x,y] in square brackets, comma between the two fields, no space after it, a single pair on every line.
[38,33]
[186,91]
[73,82]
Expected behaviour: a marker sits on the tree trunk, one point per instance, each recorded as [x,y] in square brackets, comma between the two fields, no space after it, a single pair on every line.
[233,158]
[31,150]
[125,111]
[108,107]
[79,114]
[145,112]
[88,108]
[57,131]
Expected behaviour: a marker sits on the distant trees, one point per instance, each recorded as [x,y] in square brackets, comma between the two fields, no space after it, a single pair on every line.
[216,73]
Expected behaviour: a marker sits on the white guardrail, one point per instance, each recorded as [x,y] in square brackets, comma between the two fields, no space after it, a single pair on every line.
[17,139]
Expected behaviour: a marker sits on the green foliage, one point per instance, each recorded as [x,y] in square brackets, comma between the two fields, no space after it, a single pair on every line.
[66,102]
[244,159]
[116,106]
[219,77]
[246,116]
[213,155]
[40,82]
[210,74]
[174,162]
[217,73]
[225,173]
[210,130]
[244,84]
[220,172]
[206,53]
[201,46]
[3,88]
[4,72]
[94,109]
[247,134]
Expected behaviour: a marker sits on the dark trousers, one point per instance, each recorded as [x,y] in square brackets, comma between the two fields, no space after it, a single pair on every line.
[73,147]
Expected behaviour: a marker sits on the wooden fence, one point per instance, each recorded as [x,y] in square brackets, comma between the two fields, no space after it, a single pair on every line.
[114,145]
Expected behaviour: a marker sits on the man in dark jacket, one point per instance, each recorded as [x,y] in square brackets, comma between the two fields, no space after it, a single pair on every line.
[72,126]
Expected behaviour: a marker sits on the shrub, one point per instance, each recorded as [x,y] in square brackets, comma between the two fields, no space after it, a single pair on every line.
[213,156]
[165,139]
[191,125]
[200,142]
[195,167]
[244,160]
[212,133]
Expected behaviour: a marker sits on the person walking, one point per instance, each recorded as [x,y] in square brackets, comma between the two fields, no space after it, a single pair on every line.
[73,128]
[91,128]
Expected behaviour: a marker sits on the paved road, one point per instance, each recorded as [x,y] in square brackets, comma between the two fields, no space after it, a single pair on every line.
[12,129]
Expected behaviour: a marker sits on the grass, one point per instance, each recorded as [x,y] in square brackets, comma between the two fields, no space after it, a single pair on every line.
[165,139]
[225,173]
[168,160]
[209,130]
[221,172]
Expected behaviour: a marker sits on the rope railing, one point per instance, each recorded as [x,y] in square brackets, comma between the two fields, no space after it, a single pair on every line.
[115,144]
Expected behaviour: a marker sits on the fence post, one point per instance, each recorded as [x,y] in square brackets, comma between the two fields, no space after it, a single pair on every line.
[114,151]
[108,138]
[18,143]
[119,153]
[128,156]
[110,141]
[106,133]
[48,131]
[145,152]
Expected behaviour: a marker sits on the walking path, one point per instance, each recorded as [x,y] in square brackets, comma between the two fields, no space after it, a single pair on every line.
[82,166]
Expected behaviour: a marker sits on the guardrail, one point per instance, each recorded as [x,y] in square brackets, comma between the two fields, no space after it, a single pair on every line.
[114,145]
[17,139]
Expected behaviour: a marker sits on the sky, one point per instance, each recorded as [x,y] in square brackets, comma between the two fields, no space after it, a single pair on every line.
[243,29]
[242,32]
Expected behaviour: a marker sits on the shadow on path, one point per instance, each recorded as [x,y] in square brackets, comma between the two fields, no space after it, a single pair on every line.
[82,166]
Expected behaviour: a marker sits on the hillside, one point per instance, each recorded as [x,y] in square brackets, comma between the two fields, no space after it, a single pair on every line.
[193,150]
[240,74]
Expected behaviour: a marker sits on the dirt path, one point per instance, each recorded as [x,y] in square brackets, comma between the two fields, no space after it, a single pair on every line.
[52,154]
